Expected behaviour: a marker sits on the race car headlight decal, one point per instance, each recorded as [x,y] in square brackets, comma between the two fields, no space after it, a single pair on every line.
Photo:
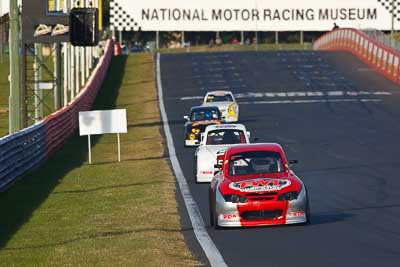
[192,137]
[288,196]
[235,198]
[231,109]
[195,130]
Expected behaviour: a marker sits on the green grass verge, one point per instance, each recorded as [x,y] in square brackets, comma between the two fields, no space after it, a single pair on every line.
[106,214]
[230,47]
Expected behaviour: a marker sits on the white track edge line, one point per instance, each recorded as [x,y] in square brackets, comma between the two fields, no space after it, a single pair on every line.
[214,256]
[351,100]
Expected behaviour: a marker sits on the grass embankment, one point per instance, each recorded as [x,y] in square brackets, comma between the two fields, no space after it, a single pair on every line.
[4,93]
[230,47]
[70,213]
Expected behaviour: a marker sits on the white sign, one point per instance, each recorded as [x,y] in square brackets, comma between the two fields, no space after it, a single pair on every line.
[4,7]
[250,15]
[102,122]
[46,86]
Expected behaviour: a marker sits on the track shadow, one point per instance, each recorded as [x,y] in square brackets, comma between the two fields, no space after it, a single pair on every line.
[130,159]
[19,202]
[331,217]
[102,188]
[152,124]
[96,236]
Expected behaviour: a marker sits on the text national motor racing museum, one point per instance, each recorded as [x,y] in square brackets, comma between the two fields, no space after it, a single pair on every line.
[175,14]
[257,15]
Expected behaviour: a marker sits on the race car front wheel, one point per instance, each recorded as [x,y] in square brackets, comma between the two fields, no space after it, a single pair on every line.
[195,169]
[210,209]
[308,212]
[213,218]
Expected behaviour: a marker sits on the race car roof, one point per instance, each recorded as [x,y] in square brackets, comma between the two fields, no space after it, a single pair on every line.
[226,126]
[199,108]
[219,92]
[255,147]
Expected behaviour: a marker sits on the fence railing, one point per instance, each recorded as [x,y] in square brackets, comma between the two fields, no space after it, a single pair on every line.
[376,54]
[23,151]
[382,37]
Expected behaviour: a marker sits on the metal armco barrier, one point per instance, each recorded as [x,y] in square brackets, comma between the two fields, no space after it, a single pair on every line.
[25,150]
[377,55]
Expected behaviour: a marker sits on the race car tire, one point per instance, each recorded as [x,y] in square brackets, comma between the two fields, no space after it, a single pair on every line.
[308,211]
[195,169]
[196,179]
[216,226]
[213,219]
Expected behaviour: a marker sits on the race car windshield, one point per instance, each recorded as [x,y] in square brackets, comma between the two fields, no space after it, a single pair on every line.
[225,137]
[255,162]
[219,98]
[205,114]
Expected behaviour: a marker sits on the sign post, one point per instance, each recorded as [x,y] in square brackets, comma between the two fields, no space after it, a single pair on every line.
[90,149]
[15,119]
[119,148]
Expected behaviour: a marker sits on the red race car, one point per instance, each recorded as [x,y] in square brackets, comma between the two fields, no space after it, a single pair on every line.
[255,187]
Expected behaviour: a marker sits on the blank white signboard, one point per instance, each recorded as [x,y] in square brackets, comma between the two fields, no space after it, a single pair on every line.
[250,15]
[102,122]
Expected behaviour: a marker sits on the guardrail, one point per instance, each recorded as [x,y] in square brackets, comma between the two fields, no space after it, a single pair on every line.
[377,55]
[383,38]
[25,150]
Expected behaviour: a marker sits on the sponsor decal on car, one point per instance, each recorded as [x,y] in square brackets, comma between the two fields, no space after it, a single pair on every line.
[222,93]
[206,122]
[229,216]
[298,213]
[260,185]
[232,111]
[207,172]
[220,152]
[224,126]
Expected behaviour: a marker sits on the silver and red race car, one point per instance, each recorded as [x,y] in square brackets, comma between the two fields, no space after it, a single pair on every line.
[214,141]
[255,187]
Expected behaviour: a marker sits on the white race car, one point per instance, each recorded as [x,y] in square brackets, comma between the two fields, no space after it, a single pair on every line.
[225,101]
[214,141]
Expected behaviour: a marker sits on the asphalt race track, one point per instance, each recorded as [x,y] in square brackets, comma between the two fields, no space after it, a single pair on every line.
[339,118]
